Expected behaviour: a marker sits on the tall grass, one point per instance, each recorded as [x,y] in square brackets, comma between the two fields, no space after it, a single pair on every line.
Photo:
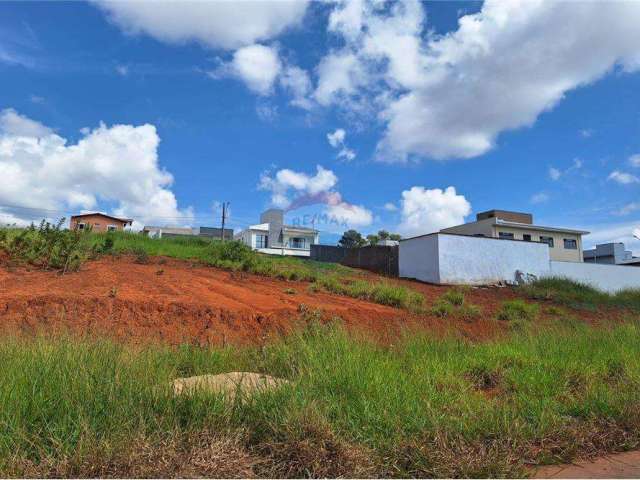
[424,407]
[579,295]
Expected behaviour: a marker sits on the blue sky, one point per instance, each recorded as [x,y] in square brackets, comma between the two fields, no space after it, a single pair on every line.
[405,116]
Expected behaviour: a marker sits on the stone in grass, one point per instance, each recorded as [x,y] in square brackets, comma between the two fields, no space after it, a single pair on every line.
[228,384]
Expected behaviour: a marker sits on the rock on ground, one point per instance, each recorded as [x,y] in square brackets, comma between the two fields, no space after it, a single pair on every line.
[228,384]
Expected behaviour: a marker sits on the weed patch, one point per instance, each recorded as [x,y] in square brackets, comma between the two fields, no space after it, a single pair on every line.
[518,311]
[452,303]
[579,295]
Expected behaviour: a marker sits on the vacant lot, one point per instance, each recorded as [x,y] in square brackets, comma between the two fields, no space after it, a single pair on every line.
[422,407]
[461,382]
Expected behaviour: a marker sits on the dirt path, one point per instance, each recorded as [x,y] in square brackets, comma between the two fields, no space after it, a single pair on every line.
[619,465]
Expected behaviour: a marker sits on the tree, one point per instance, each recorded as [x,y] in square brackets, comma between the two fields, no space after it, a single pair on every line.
[383,235]
[373,239]
[352,239]
[395,236]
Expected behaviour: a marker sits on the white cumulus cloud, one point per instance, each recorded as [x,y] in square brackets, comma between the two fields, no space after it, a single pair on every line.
[291,190]
[216,24]
[258,66]
[430,210]
[445,96]
[115,165]
[634,160]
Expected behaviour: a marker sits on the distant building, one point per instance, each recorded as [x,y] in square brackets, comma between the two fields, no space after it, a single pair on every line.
[272,236]
[166,232]
[215,232]
[387,243]
[564,244]
[98,222]
[610,254]
[206,232]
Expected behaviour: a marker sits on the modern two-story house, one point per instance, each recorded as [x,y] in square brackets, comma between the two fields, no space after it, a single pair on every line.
[564,244]
[272,236]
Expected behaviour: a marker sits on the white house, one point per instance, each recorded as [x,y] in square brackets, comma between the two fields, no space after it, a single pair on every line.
[272,236]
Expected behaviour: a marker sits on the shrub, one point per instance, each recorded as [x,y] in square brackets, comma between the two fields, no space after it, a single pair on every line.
[48,246]
[517,310]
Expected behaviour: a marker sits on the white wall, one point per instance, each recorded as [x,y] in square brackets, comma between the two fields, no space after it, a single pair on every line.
[292,252]
[478,260]
[418,258]
[609,278]
[456,259]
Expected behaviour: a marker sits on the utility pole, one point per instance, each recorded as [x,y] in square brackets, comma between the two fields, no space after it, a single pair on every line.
[225,206]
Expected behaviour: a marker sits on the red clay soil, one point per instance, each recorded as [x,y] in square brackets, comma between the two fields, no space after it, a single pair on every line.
[176,302]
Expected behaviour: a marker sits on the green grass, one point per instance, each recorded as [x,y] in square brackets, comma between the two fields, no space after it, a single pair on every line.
[419,408]
[518,311]
[453,303]
[579,295]
[383,292]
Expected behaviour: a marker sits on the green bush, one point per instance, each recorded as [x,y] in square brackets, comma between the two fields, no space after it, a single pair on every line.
[48,246]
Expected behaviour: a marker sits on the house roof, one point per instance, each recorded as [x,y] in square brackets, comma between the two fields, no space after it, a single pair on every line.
[124,220]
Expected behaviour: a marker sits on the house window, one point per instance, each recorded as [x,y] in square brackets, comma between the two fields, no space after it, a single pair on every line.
[507,235]
[111,228]
[547,240]
[570,244]
[261,241]
[526,237]
[298,242]
[81,226]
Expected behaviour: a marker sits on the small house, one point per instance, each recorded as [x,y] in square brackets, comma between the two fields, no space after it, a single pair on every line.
[98,222]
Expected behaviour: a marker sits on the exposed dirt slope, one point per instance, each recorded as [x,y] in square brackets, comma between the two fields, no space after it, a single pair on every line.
[175,302]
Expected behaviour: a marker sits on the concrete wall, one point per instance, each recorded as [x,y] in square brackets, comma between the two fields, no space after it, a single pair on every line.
[291,252]
[609,278]
[457,259]
[477,260]
[418,258]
